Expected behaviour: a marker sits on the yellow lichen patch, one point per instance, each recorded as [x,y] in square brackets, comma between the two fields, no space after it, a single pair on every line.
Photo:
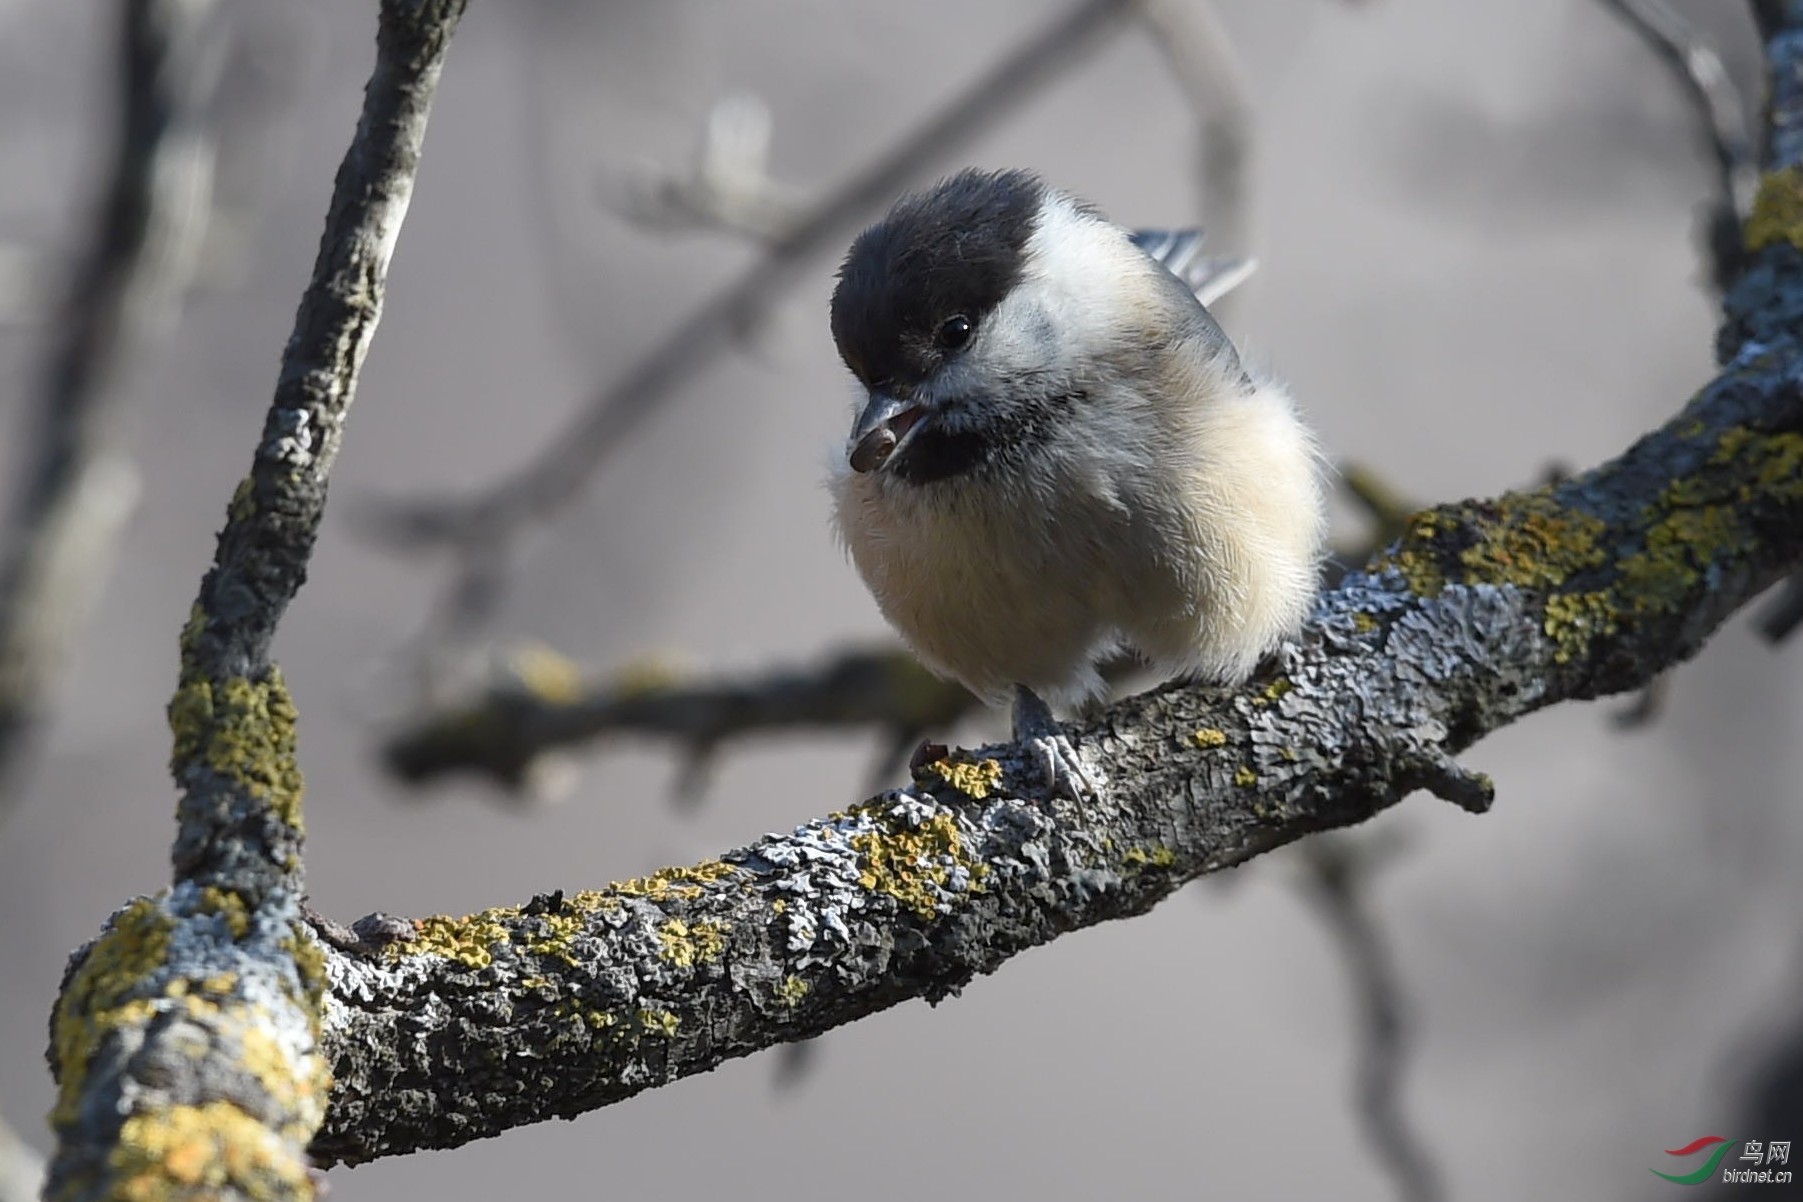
[214,1148]
[243,505]
[973,778]
[469,941]
[546,674]
[295,1088]
[309,965]
[594,901]
[1363,622]
[1536,544]
[792,991]
[686,944]
[1777,214]
[681,884]
[658,1022]
[559,930]
[244,730]
[1274,691]
[1525,539]
[647,674]
[1208,737]
[1777,459]
[1244,777]
[1136,858]
[227,905]
[97,998]
[913,863]
[1573,619]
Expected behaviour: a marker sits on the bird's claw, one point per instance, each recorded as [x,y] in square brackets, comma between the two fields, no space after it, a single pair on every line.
[1062,770]
[1064,773]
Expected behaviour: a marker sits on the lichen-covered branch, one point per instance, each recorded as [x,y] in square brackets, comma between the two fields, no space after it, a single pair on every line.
[1484,611]
[185,1040]
[77,487]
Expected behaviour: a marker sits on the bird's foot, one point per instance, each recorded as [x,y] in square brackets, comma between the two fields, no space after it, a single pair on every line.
[1063,771]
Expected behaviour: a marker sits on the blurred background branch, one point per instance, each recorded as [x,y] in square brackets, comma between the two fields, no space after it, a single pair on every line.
[21,1168]
[1726,128]
[1206,67]
[1338,870]
[78,486]
[541,703]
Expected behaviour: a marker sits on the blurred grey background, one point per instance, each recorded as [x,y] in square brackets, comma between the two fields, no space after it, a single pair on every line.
[1476,226]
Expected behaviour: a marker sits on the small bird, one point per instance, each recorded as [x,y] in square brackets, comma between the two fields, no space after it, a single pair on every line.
[1057,454]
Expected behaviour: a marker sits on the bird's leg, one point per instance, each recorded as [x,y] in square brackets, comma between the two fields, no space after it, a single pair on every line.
[1064,773]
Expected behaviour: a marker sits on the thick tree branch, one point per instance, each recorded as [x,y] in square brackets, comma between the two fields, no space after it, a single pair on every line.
[1483,612]
[185,1040]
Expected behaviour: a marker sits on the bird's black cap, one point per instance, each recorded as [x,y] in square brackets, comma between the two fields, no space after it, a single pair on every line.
[956,248]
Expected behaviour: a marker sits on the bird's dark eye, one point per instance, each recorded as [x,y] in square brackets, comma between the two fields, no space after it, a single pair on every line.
[954,332]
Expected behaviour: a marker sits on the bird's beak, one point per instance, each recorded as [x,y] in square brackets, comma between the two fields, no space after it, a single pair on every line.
[883,429]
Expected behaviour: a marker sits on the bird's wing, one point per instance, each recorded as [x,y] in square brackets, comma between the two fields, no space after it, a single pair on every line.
[1210,277]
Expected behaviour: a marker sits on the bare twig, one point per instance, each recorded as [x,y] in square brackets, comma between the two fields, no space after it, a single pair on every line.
[78,488]
[727,186]
[1725,123]
[537,703]
[1207,69]
[158,1018]
[1337,880]
[504,732]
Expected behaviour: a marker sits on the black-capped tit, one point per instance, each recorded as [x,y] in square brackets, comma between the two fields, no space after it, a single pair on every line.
[1057,453]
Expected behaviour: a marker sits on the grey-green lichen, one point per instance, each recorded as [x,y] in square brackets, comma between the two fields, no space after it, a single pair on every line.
[243,730]
[1593,584]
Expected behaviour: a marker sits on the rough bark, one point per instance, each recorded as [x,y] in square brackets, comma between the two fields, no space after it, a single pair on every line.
[186,1038]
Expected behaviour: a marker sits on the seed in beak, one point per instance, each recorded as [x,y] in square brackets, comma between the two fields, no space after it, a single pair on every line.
[873,450]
